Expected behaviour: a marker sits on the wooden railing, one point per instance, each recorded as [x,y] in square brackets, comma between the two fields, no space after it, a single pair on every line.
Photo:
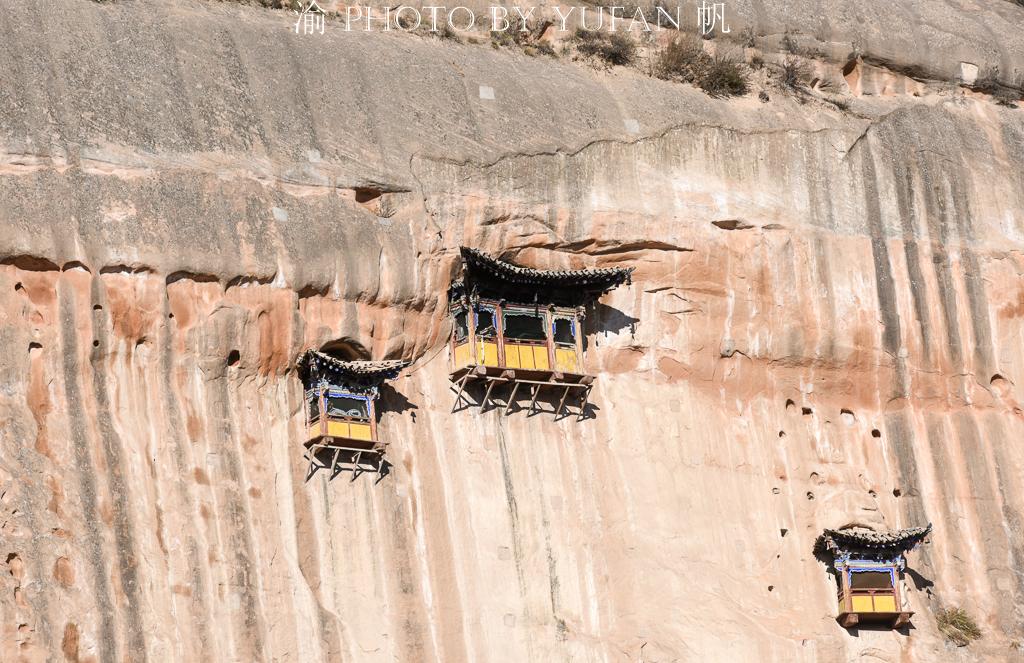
[868,601]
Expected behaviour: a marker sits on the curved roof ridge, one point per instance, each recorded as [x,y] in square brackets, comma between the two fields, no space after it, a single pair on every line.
[385,368]
[605,278]
[865,539]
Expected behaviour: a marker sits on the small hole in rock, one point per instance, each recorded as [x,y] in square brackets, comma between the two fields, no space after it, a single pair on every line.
[771,587]
[775,491]
[806,411]
[170,316]
[876,433]
[783,532]
[790,404]
[96,344]
[97,307]
[233,357]
[873,494]
[896,492]
[18,287]
[782,433]
[810,495]
[35,346]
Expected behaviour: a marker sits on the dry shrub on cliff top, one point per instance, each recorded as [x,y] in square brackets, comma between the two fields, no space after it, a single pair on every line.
[724,78]
[685,60]
[958,626]
[795,74]
[614,48]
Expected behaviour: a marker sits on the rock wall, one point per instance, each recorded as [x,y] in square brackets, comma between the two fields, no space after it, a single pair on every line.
[824,327]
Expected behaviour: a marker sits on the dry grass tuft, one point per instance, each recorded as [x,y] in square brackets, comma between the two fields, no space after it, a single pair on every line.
[958,626]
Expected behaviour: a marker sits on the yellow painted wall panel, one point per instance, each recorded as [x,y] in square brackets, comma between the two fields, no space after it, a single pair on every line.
[862,604]
[487,353]
[540,357]
[360,432]
[512,356]
[565,360]
[461,355]
[525,357]
[885,604]
[337,429]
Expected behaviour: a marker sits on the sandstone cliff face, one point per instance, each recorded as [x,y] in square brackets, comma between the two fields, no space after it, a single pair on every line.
[825,327]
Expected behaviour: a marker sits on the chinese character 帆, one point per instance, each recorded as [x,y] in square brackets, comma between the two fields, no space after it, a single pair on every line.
[709,14]
[311,19]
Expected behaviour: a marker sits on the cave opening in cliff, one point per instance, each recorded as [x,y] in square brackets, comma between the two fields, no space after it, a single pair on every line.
[345,349]
[524,335]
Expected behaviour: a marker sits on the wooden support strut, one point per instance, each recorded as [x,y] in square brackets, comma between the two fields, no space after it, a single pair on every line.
[511,397]
[561,403]
[334,461]
[583,404]
[533,401]
[487,396]
[355,466]
[458,395]
[509,376]
[335,466]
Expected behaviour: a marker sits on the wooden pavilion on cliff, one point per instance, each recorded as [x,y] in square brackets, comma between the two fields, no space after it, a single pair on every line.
[341,412]
[869,566]
[521,327]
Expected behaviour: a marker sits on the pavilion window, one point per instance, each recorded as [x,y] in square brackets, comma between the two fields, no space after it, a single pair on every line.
[314,407]
[522,326]
[461,326]
[485,323]
[564,331]
[870,580]
[348,407]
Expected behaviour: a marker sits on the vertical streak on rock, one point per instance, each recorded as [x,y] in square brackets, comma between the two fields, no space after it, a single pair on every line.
[946,488]
[120,497]
[987,503]
[938,226]
[1004,456]
[200,608]
[517,542]
[245,577]
[106,640]
[899,429]
[977,301]
[886,290]
[903,180]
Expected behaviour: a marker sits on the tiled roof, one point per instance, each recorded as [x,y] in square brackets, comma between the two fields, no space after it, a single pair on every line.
[864,539]
[594,279]
[385,369]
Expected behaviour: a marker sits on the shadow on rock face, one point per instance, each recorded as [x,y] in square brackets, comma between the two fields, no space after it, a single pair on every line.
[920,582]
[611,319]
[393,401]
